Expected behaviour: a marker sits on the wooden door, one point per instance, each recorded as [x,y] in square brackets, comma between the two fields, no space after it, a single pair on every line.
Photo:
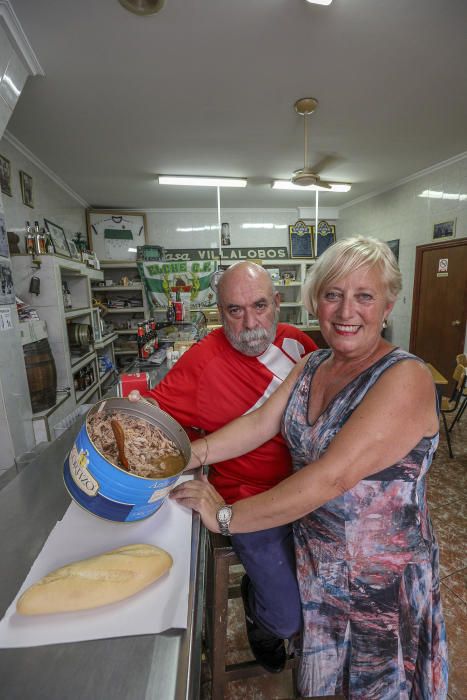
[439,304]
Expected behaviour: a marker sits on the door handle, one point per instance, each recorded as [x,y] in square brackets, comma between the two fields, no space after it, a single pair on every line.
[455,323]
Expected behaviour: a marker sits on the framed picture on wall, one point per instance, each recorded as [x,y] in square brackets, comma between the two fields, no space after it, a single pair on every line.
[446,229]
[74,252]
[325,238]
[114,236]
[301,240]
[394,245]
[26,188]
[57,234]
[5,176]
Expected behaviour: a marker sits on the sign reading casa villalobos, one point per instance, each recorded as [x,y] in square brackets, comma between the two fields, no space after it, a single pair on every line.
[251,253]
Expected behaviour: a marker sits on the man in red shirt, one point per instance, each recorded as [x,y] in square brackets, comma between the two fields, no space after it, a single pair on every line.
[230,372]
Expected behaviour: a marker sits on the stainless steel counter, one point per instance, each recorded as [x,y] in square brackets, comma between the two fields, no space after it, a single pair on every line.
[150,667]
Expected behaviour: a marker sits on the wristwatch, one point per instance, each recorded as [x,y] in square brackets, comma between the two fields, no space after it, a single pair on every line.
[224,516]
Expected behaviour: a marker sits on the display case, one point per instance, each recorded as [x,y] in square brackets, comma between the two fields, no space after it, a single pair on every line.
[121,297]
[64,302]
[288,277]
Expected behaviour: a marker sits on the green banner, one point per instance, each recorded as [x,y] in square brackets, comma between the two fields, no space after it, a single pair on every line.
[192,280]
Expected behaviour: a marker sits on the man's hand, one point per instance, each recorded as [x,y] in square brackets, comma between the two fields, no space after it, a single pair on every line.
[199,495]
[134,396]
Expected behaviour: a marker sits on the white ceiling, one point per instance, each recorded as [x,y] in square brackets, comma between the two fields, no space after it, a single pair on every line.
[206,87]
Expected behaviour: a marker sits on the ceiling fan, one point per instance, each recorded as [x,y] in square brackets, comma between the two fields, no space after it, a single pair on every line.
[307,176]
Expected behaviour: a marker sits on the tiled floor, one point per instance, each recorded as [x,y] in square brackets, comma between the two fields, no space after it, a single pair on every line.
[447,495]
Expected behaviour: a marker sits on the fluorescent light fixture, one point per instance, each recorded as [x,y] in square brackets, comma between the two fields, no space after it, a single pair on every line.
[266,226]
[288,185]
[189,229]
[201,181]
[320,2]
[436,194]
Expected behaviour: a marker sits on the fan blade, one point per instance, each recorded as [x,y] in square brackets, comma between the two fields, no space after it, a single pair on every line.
[326,162]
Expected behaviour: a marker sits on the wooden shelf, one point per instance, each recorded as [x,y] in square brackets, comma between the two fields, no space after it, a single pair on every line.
[81,396]
[105,376]
[127,310]
[82,361]
[98,345]
[117,265]
[73,313]
[286,284]
[119,288]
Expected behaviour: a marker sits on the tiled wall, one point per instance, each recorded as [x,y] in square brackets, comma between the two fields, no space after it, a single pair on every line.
[402,214]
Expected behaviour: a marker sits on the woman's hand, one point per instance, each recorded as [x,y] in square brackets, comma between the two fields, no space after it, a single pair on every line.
[199,495]
[134,396]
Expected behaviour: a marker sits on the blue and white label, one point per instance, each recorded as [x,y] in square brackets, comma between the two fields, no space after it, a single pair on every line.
[79,462]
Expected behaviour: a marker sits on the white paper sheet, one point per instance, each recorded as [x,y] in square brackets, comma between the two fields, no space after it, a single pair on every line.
[161,606]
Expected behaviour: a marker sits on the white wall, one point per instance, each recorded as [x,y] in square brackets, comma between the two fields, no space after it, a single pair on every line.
[16,435]
[51,200]
[401,213]
[165,227]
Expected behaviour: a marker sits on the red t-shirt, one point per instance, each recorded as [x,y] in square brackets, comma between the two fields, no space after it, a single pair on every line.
[212,383]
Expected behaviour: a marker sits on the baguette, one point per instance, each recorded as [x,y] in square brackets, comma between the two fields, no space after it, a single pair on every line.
[100,580]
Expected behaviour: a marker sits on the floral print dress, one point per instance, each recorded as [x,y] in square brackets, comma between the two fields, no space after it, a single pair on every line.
[367,563]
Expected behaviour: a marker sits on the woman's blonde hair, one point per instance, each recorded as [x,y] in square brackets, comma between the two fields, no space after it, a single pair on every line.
[345,257]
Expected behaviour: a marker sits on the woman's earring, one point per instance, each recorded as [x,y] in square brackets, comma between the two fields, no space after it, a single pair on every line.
[385,323]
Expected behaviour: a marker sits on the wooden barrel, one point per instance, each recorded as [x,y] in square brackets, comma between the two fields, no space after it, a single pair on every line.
[41,373]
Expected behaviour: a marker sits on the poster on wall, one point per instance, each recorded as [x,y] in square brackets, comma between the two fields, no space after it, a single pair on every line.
[325,238]
[394,246]
[4,250]
[5,176]
[115,235]
[192,280]
[7,292]
[301,240]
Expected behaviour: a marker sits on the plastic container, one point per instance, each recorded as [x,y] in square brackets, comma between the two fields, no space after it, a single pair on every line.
[109,491]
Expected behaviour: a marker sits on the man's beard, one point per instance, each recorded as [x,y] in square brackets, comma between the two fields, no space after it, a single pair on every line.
[253,342]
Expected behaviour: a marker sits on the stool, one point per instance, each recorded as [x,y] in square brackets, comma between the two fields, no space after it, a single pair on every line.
[220,557]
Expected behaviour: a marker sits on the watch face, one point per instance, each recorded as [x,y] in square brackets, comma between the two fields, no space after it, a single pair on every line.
[224,514]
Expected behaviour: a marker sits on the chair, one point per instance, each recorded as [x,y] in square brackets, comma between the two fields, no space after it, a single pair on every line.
[461,360]
[456,403]
[220,557]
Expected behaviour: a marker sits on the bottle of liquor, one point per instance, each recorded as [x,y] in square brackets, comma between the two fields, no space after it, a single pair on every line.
[29,241]
[49,245]
[170,311]
[66,296]
[140,340]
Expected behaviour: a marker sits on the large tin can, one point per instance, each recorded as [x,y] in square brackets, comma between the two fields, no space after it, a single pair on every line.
[109,491]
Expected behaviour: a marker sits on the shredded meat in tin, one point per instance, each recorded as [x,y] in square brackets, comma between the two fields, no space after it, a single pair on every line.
[144,443]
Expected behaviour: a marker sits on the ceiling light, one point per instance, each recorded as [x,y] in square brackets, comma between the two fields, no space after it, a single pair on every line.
[267,226]
[142,7]
[288,185]
[201,181]
[436,194]
[320,2]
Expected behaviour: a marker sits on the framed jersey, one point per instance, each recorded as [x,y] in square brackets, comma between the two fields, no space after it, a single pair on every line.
[115,235]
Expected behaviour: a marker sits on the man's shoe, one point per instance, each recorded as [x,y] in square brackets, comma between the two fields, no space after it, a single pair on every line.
[268,650]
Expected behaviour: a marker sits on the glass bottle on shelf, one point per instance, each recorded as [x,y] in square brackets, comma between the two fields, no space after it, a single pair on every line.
[49,245]
[67,303]
[170,311]
[29,241]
